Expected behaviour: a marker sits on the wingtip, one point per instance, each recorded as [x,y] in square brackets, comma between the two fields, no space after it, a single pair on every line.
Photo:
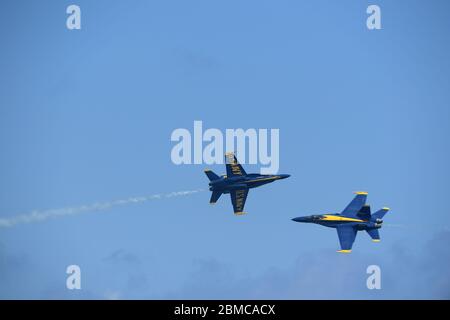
[240,213]
[362,193]
[344,251]
[376,240]
[386,208]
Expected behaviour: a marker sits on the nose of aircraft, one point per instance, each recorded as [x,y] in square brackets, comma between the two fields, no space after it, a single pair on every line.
[302,219]
[284,176]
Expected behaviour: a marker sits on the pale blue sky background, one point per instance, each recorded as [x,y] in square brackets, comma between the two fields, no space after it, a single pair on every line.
[86,116]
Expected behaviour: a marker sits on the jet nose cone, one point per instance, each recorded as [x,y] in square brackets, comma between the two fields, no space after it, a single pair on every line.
[301,219]
[284,176]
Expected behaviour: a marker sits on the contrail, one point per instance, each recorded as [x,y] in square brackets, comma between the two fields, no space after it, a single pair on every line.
[37,216]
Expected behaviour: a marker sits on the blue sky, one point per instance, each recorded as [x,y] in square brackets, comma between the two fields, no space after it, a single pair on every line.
[87,115]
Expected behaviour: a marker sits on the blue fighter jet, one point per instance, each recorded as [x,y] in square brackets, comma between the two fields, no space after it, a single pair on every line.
[237,183]
[355,217]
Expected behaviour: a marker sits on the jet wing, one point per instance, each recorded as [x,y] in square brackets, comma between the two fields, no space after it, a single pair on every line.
[356,205]
[347,235]
[233,166]
[238,198]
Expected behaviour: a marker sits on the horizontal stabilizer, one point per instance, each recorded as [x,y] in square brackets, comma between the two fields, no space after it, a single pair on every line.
[374,234]
[211,175]
[215,196]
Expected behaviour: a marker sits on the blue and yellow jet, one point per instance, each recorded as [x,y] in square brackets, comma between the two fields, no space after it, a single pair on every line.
[355,217]
[237,183]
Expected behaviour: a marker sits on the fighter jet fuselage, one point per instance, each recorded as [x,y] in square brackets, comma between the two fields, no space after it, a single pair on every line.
[237,183]
[225,184]
[355,217]
[335,220]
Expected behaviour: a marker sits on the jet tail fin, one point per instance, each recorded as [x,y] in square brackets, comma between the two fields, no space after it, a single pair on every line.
[379,214]
[211,175]
[364,213]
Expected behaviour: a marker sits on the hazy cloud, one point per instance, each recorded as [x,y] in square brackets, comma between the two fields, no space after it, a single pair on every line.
[406,274]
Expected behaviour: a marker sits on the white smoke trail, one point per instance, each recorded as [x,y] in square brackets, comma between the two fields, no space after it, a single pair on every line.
[36,215]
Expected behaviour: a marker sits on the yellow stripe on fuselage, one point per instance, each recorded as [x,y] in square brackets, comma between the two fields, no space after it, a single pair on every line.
[327,217]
